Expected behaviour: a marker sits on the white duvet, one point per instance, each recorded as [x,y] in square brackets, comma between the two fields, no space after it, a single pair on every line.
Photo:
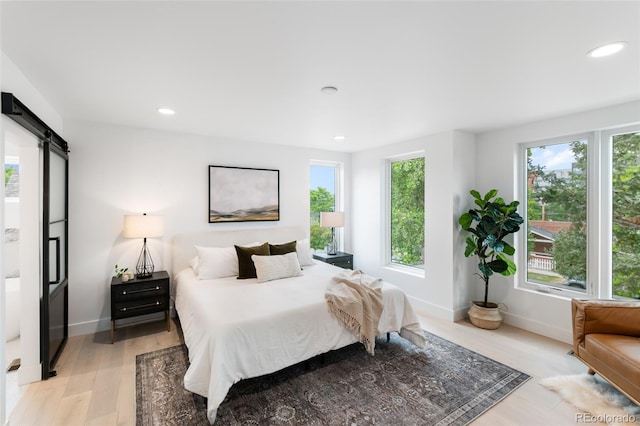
[237,329]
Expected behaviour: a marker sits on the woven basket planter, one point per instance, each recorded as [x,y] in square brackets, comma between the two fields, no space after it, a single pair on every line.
[488,318]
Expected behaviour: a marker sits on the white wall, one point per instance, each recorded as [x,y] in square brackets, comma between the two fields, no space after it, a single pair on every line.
[118,170]
[496,156]
[13,81]
[449,172]
[462,179]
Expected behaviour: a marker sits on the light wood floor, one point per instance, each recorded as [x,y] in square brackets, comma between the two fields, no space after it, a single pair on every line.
[96,380]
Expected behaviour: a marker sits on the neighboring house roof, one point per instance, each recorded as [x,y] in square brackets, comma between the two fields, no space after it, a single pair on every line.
[552,226]
[548,229]
[542,233]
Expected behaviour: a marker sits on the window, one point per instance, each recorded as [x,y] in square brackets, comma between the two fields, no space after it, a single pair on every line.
[406,211]
[583,215]
[323,197]
[625,214]
[557,214]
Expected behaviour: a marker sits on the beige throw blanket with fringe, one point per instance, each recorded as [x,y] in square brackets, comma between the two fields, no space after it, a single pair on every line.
[355,299]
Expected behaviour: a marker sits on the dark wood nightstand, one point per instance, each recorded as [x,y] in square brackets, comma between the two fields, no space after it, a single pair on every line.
[343,260]
[139,296]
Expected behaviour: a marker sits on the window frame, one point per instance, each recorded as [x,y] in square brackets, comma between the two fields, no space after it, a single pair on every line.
[386,232]
[606,231]
[599,214]
[521,238]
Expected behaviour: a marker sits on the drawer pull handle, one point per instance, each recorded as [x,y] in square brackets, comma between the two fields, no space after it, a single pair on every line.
[140,306]
[144,290]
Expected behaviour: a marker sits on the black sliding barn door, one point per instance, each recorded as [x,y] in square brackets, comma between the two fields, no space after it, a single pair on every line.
[54,308]
[54,289]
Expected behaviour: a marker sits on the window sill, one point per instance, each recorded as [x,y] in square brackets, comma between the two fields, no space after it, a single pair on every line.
[407,270]
[554,292]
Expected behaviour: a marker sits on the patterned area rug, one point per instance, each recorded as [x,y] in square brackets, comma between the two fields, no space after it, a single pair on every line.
[443,384]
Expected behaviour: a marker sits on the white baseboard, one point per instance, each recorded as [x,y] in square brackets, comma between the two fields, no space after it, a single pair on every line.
[461,313]
[537,327]
[89,327]
[104,324]
[29,374]
[534,326]
[429,309]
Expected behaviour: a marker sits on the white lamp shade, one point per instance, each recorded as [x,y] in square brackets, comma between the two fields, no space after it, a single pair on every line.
[332,219]
[143,226]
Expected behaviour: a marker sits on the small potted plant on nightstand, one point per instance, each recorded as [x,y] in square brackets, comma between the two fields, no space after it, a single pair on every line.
[122,273]
[489,223]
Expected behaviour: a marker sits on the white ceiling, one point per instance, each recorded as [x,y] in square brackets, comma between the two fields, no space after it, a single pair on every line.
[253,70]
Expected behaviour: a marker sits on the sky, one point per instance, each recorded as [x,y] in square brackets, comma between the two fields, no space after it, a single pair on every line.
[553,157]
[323,176]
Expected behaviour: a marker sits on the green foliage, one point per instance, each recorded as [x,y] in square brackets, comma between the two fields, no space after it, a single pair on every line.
[120,271]
[320,236]
[489,223]
[407,211]
[626,215]
[8,171]
[569,253]
[321,200]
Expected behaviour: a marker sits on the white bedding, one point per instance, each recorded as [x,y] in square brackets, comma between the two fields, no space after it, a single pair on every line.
[237,329]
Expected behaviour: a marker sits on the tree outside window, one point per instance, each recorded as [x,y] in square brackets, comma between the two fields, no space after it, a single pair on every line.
[407,211]
[626,215]
[322,199]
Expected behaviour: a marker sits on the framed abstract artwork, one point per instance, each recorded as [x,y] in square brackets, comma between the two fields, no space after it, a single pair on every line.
[242,194]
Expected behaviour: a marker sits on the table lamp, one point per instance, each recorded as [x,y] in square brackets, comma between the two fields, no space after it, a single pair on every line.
[332,220]
[143,226]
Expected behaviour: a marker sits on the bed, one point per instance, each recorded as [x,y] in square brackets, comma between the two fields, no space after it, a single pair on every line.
[236,329]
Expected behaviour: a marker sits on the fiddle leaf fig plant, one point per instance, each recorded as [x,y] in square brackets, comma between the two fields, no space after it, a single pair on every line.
[489,223]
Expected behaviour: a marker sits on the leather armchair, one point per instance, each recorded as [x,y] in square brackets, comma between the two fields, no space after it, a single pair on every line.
[606,337]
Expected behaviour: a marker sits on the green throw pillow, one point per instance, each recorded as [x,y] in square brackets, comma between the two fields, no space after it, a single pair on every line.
[277,249]
[246,268]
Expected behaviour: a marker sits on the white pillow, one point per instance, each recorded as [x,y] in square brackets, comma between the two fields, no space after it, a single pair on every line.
[216,262]
[193,263]
[274,267]
[303,250]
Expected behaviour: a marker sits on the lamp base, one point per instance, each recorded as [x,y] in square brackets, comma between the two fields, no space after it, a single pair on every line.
[144,267]
[142,275]
[332,247]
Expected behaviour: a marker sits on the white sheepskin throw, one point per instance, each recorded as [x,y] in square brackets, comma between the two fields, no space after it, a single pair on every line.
[597,400]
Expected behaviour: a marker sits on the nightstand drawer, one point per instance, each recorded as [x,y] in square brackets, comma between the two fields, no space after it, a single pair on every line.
[148,290]
[346,264]
[139,307]
[340,259]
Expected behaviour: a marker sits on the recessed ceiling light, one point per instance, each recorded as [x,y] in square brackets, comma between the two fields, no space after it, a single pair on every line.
[166,111]
[339,137]
[329,90]
[607,49]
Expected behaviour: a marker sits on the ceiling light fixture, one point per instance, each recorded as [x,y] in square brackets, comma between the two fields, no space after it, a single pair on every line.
[166,111]
[339,138]
[329,90]
[607,49]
